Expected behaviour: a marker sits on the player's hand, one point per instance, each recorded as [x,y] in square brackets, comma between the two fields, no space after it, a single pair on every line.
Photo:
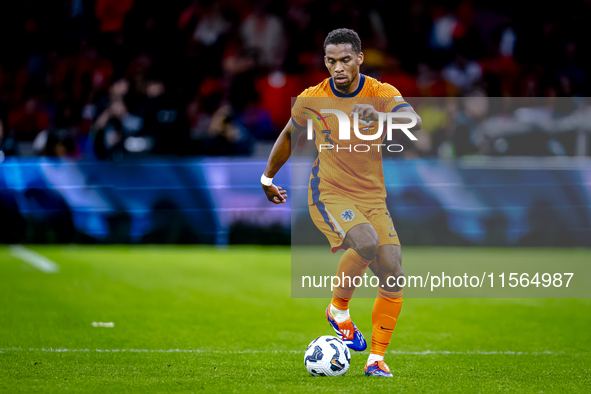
[275,194]
[366,112]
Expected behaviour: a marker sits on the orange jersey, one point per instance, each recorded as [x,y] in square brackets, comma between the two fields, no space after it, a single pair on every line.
[341,173]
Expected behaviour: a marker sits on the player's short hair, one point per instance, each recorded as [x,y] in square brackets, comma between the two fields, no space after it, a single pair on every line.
[343,36]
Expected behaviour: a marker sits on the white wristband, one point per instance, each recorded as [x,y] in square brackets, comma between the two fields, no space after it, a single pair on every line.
[266,181]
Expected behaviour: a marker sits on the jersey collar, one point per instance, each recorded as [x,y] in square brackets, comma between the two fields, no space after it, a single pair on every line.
[352,94]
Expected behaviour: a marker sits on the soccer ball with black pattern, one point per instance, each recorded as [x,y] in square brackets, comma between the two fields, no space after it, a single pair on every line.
[327,356]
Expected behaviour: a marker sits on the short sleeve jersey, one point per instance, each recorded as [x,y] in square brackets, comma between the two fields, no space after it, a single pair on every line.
[352,170]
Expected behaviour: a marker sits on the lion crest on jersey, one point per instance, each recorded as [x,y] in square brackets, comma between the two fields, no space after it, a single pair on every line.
[347,215]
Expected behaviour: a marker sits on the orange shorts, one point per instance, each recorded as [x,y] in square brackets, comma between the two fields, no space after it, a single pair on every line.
[336,219]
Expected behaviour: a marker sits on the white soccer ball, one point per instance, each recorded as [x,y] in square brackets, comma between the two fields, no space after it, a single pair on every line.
[327,356]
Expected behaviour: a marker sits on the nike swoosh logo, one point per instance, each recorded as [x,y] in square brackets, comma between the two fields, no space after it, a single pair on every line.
[395,235]
[387,329]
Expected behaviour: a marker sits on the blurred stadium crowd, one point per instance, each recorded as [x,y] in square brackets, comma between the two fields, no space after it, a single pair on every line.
[107,78]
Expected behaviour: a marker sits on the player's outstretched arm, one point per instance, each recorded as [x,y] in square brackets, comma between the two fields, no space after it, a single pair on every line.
[279,155]
[416,127]
[368,113]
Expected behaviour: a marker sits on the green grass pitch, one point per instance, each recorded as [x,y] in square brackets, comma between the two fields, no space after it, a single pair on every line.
[230,315]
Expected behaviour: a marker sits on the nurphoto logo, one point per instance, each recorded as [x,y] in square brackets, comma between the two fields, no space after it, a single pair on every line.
[345,131]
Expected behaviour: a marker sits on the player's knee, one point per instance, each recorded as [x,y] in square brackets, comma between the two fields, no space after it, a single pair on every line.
[390,273]
[368,248]
[364,240]
[390,267]
[391,279]
[397,267]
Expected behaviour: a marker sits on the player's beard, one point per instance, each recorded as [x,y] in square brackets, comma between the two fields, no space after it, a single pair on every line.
[343,86]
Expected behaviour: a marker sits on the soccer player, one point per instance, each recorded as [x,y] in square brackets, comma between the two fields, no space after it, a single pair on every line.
[347,195]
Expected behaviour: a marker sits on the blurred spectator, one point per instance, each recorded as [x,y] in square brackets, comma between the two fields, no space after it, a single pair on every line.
[217,76]
[163,118]
[118,93]
[111,128]
[461,74]
[62,138]
[227,135]
[200,111]
[117,111]
[56,143]
[210,26]
[263,32]
[573,80]
[28,120]
[111,14]
[276,90]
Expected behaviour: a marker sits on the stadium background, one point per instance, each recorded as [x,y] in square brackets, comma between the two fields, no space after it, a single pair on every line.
[142,122]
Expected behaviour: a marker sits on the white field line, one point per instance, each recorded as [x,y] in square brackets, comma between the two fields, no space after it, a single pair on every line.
[102,324]
[38,261]
[252,351]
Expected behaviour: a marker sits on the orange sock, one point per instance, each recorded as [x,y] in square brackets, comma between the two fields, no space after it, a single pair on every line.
[385,314]
[351,265]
